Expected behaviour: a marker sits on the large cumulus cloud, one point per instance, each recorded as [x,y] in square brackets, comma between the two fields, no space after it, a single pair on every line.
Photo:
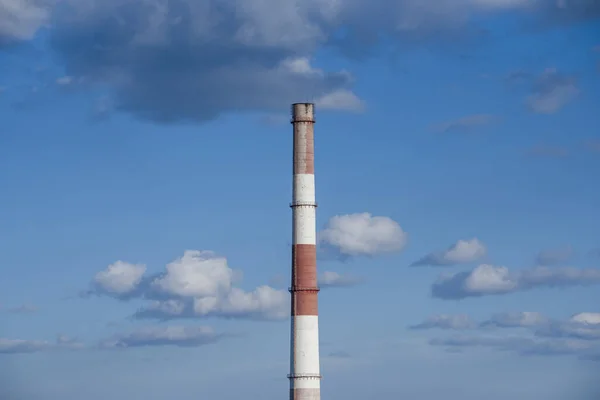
[187,60]
[197,284]
[183,60]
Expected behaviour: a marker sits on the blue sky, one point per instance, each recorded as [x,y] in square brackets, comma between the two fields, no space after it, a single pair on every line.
[145,167]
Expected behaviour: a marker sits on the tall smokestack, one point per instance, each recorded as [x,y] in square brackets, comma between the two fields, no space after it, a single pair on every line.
[305,377]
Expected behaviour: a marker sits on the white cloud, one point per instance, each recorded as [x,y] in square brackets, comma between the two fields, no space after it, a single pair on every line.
[335,279]
[341,99]
[463,251]
[198,284]
[119,278]
[363,234]
[196,274]
[300,66]
[489,280]
[262,303]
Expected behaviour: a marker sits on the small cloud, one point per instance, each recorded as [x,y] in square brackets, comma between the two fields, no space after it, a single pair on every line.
[119,279]
[465,124]
[452,322]
[596,49]
[362,235]
[551,257]
[334,279]
[552,91]
[180,336]
[486,280]
[461,252]
[548,151]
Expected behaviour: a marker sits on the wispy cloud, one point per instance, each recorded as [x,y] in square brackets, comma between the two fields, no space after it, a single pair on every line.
[518,76]
[579,335]
[179,336]
[18,346]
[22,309]
[445,321]
[64,80]
[551,91]
[516,320]
[556,256]
[461,252]
[536,322]
[524,346]
[465,124]
[162,335]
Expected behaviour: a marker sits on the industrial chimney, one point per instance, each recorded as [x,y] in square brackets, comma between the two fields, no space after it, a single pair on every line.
[305,377]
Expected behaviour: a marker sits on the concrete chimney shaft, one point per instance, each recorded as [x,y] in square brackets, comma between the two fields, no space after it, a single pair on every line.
[305,376]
